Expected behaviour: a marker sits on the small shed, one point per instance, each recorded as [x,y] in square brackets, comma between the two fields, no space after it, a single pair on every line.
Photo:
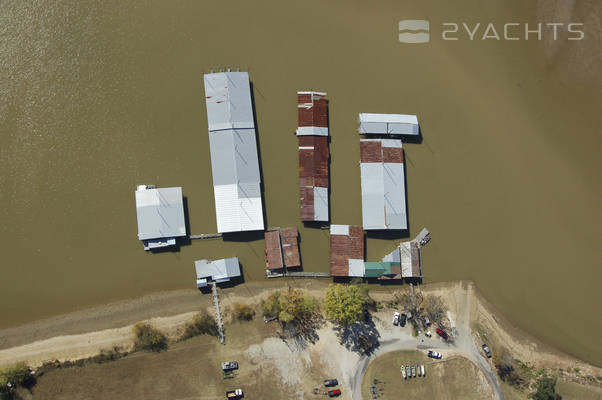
[218,271]
[388,124]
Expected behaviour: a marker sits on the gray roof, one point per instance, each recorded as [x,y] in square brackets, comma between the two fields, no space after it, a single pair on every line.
[383,193]
[217,270]
[160,213]
[388,124]
[234,158]
[228,99]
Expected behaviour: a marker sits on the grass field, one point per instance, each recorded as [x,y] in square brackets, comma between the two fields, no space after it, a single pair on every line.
[188,370]
[455,378]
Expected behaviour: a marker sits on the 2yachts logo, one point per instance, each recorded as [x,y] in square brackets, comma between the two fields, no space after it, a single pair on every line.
[417,31]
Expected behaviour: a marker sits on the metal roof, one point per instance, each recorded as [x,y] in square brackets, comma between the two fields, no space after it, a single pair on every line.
[383,184]
[346,250]
[160,213]
[388,124]
[234,158]
[217,270]
[273,250]
[312,114]
[411,265]
[228,100]
[290,247]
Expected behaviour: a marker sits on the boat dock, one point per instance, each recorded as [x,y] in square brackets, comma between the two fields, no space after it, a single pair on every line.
[218,314]
[298,274]
[423,237]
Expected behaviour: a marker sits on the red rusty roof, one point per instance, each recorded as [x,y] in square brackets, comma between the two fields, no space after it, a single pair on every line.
[312,109]
[273,251]
[313,171]
[290,247]
[372,151]
[344,247]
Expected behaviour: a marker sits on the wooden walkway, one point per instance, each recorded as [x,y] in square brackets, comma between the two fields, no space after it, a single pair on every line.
[299,274]
[218,314]
[423,237]
[205,236]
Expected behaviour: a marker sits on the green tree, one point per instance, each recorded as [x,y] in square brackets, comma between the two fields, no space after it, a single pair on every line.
[149,338]
[546,389]
[344,304]
[242,312]
[271,306]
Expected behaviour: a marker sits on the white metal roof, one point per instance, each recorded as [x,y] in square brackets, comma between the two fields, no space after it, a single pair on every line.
[383,193]
[228,100]
[339,230]
[320,203]
[410,260]
[217,270]
[312,131]
[388,124]
[160,213]
[234,158]
[357,268]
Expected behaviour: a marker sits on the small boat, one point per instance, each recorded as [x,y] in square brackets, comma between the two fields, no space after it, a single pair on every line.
[403,372]
[418,370]
[422,370]
[413,372]
[409,371]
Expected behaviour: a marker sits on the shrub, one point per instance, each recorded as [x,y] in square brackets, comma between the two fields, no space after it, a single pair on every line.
[148,338]
[546,389]
[242,312]
[506,368]
[271,306]
[201,324]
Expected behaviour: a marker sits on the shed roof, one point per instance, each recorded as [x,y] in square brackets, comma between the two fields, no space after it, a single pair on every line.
[388,124]
[313,178]
[346,250]
[217,270]
[411,266]
[383,184]
[160,213]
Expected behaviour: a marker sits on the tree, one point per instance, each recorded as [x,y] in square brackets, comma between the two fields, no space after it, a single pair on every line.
[149,338]
[546,389]
[435,309]
[344,304]
[505,366]
[271,306]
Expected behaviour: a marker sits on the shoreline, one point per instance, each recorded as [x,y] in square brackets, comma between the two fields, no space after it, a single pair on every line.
[86,332]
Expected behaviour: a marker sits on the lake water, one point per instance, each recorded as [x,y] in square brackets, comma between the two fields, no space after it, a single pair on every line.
[100,96]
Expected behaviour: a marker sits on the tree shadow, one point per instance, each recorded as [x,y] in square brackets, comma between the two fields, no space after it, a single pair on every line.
[361,337]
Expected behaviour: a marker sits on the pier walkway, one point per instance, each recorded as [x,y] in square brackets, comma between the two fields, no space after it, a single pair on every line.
[218,314]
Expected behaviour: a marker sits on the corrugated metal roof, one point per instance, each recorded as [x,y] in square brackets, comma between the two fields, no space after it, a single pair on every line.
[290,247]
[228,100]
[410,260]
[313,178]
[217,270]
[234,158]
[312,113]
[383,184]
[273,251]
[388,124]
[346,243]
[160,213]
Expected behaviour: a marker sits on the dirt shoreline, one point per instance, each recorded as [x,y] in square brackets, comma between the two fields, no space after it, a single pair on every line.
[85,333]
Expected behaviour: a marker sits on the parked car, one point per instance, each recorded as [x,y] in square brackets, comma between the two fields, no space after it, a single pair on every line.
[434,354]
[486,350]
[396,318]
[442,333]
[428,333]
[334,393]
[234,394]
[331,382]
[402,320]
[427,321]
[227,366]
[409,315]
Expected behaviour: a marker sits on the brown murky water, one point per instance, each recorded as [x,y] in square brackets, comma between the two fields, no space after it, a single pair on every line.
[100,96]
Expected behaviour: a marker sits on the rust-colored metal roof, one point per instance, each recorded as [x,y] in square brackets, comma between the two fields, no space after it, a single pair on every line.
[313,110]
[273,251]
[290,247]
[344,247]
[415,253]
[313,171]
[372,151]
